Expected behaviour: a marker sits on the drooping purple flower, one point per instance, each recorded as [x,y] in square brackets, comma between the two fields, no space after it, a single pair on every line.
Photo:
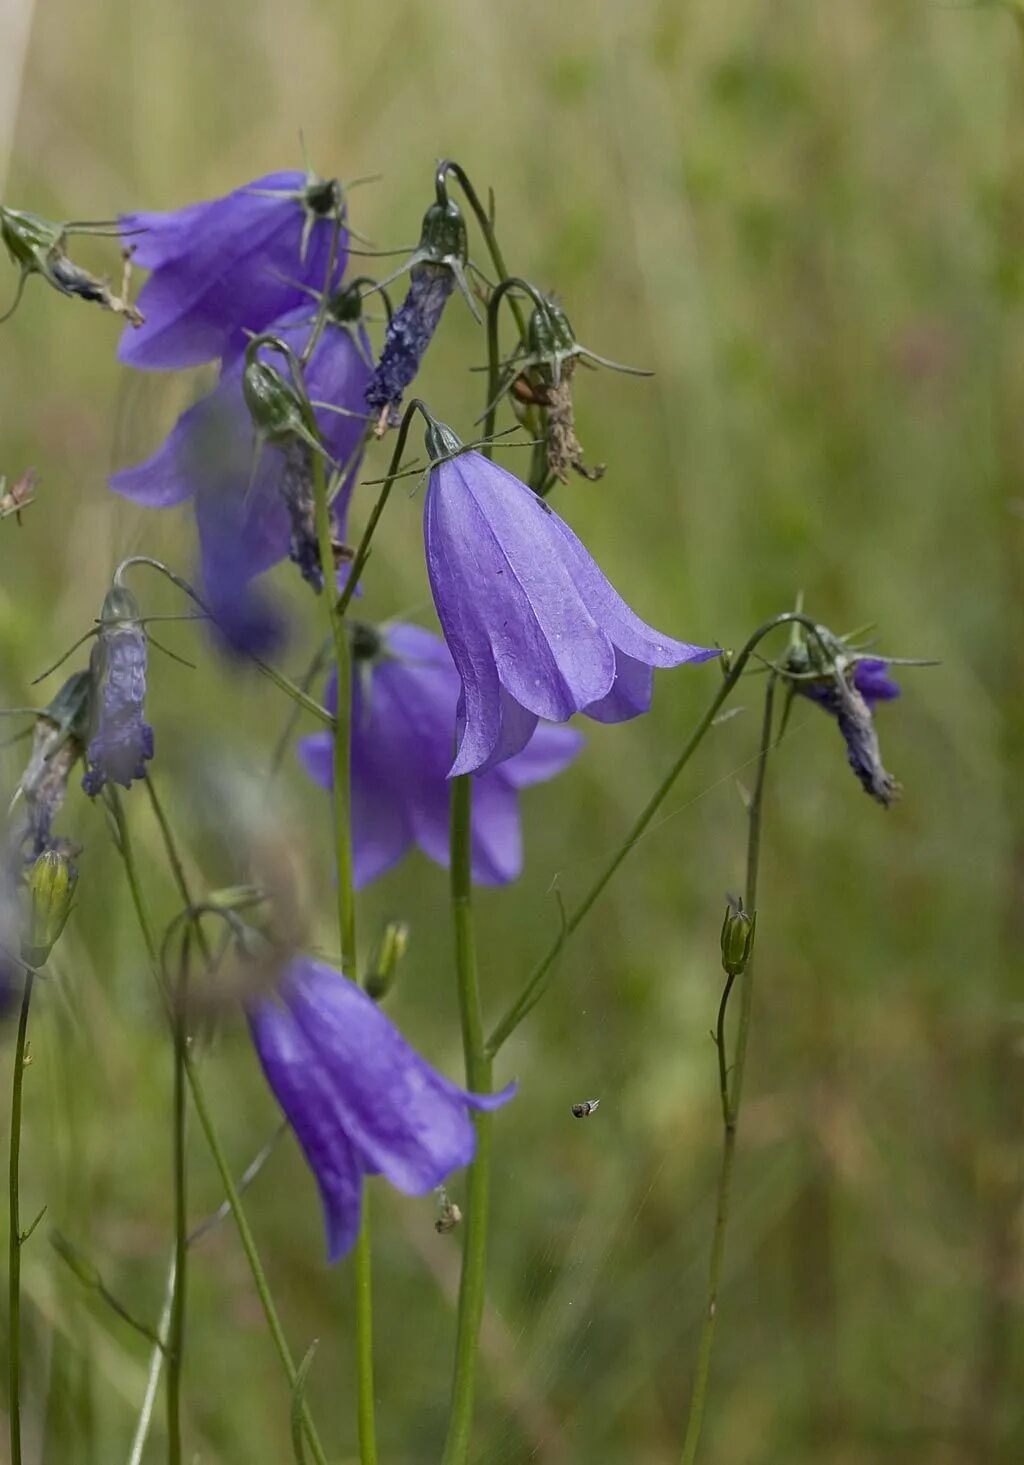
[360,1100]
[850,697]
[243,516]
[120,739]
[231,263]
[405,696]
[534,627]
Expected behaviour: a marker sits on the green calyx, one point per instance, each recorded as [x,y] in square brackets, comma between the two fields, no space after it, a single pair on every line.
[51,888]
[444,238]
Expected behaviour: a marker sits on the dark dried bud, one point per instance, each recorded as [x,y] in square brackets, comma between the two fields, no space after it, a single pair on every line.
[564,448]
[298,492]
[409,334]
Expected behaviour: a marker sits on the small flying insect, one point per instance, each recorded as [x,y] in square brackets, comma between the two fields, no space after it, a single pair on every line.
[448,1214]
[584,1111]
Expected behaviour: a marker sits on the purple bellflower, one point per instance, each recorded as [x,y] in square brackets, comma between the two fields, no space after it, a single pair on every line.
[243,515]
[850,696]
[405,696]
[230,264]
[120,739]
[534,628]
[360,1100]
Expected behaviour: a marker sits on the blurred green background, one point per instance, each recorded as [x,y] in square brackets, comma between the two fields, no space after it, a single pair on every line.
[808,219]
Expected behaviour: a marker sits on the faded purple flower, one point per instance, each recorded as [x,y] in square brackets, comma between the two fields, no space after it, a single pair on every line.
[243,516]
[850,699]
[533,626]
[120,739]
[405,696]
[409,333]
[231,263]
[360,1100]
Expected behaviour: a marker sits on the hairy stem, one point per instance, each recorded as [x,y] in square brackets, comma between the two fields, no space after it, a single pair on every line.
[478,1080]
[731,1098]
[14,1223]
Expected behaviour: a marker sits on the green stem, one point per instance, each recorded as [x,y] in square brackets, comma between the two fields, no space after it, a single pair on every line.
[537,983]
[362,1257]
[212,1140]
[479,1081]
[483,218]
[730,1101]
[176,1336]
[14,1222]
[362,553]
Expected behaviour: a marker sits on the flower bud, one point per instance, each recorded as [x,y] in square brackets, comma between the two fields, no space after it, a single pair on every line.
[274,405]
[387,954]
[443,238]
[51,886]
[737,938]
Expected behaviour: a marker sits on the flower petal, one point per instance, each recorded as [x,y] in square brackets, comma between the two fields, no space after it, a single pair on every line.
[304,1091]
[630,694]
[549,751]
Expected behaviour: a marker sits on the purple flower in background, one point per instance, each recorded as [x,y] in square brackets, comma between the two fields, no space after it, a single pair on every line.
[243,517]
[231,263]
[850,698]
[533,626]
[360,1100]
[403,730]
[120,739]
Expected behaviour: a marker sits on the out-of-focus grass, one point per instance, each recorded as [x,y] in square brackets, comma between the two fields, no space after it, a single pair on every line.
[809,220]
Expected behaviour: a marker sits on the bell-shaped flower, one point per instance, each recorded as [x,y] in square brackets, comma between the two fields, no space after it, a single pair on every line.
[240,492]
[230,264]
[360,1100]
[120,739]
[534,627]
[405,696]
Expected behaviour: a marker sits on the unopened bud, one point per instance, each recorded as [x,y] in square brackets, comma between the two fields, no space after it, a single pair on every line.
[389,951]
[51,886]
[444,237]
[737,938]
[274,405]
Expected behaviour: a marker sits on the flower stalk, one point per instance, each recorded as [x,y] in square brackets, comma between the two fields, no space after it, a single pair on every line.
[731,1095]
[472,1286]
[15,1238]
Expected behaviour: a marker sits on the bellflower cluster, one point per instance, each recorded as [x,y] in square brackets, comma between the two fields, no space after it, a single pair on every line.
[405,699]
[360,1099]
[534,627]
[120,740]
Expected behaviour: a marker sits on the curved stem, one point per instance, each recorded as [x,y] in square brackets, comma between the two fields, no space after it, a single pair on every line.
[14,1224]
[198,1093]
[478,1080]
[538,981]
[730,1100]
[483,218]
[362,1261]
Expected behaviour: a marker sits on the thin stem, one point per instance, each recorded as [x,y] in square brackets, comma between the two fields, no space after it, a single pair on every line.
[362,553]
[176,1336]
[362,1268]
[478,1080]
[155,1365]
[493,358]
[212,1140]
[539,979]
[14,1223]
[483,218]
[730,1101]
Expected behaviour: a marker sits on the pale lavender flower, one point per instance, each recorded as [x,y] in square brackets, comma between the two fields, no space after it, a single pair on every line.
[360,1100]
[534,627]
[120,739]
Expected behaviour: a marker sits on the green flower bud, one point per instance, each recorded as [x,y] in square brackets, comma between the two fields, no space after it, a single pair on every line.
[51,886]
[737,938]
[443,238]
[389,951]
